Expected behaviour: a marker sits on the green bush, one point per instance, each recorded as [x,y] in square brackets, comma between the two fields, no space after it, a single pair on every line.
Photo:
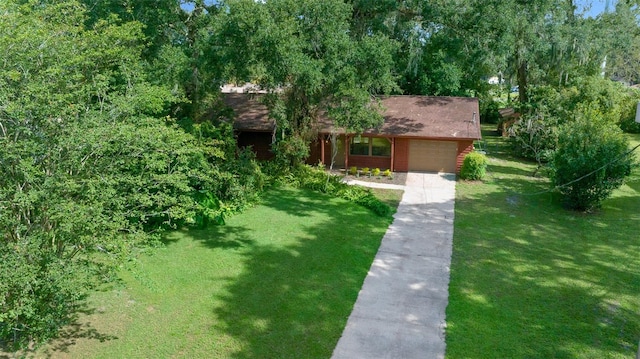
[291,151]
[387,173]
[474,166]
[353,170]
[489,109]
[317,179]
[376,172]
[590,161]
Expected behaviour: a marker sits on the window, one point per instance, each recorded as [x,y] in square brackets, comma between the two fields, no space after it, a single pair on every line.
[380,147]
[359,146]
[370,146]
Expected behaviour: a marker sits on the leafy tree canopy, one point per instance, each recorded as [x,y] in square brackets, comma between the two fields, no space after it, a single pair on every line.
[309,59]
[89,165]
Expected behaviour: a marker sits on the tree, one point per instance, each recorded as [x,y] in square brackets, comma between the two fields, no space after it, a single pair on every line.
[622,45]
[309,59]
[87,170]
[592,159]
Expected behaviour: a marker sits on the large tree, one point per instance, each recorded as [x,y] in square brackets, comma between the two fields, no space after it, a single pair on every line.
[309,57]
[89,164]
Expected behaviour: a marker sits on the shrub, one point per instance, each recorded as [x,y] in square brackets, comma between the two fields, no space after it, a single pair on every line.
[317,179]
[387,173]
[376,172]
[291,151]
[353,170]
[365,170]
[474,166]
[533,136]
[489,109]
[590,161]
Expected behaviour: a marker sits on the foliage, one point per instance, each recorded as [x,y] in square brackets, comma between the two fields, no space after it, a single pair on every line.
[590,162]
[303,53]
[519,258]
[387,173]
[621,39]
[318,179]
[89,167]
[474,166]
[291,150]
[489,110]
[628,113]
[375,171]
[353,170]
[534,136]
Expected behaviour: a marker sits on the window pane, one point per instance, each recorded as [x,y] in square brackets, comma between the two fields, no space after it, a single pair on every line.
[359,146]
[380,147]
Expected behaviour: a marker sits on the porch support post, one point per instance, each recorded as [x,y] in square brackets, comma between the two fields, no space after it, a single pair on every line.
[322,149]
[346,151]
[393,150]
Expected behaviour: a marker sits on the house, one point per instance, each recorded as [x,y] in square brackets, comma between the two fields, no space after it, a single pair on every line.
[419,133]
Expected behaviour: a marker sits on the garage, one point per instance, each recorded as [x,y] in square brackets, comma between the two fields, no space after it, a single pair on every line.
[433,156]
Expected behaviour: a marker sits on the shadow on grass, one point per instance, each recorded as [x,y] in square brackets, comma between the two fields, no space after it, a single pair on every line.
[66,338]
[293,301]
[530,279]
[225,237]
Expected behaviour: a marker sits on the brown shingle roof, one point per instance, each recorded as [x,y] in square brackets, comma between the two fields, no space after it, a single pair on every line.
[405,116]
[433,117]
[250,114]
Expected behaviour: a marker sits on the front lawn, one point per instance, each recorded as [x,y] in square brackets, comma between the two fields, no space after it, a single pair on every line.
[278,281]
[530,279]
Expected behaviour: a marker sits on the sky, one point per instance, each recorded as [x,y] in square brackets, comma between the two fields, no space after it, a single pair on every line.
[595,7]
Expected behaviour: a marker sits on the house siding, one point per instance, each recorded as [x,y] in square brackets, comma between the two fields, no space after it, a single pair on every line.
[401,155]
[464,147]
[314,153]
[382,163]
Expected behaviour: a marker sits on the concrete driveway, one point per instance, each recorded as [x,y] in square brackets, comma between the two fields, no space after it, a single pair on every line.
[400,311]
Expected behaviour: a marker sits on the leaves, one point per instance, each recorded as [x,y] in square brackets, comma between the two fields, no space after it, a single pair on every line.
[305,54]
[591,161]
[85,175]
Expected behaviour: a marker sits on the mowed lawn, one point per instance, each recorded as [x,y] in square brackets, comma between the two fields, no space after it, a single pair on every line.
[278,281]
[530,279]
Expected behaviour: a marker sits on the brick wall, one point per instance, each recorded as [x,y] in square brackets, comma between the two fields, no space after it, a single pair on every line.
[464,147]
[401,155]
[382,163]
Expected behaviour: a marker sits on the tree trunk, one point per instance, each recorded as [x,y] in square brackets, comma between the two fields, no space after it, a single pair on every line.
[334,149]
[522,81]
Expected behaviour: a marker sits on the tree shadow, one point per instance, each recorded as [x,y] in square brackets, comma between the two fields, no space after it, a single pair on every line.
[293,301]
[214,236]
[66,338]
[534,280]
[399,126]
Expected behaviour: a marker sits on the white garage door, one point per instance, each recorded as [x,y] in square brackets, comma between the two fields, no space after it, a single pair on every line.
[432,156]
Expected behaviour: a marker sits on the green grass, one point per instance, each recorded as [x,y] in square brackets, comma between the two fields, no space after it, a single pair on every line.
[278,281]
[530,279]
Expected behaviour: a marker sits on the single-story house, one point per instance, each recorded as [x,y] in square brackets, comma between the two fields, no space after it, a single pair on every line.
[419,133]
